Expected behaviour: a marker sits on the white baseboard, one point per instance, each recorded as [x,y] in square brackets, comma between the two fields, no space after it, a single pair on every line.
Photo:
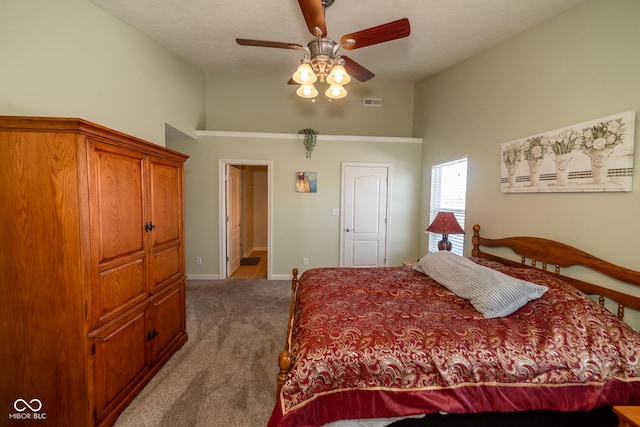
[203,277]
[217,277]
[281,276]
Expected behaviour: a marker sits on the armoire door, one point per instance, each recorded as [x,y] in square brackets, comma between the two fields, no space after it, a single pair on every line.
[121,360]
[118,212]
[164,224]
[168,321]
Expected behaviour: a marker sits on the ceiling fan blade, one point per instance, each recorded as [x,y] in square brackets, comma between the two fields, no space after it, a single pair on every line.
[356,70]
[263,43]
[313,12]
[374,35]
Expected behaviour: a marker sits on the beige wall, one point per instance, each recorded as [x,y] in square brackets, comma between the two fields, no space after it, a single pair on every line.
[268,104]
[303,226]
[68,58]
[581,65]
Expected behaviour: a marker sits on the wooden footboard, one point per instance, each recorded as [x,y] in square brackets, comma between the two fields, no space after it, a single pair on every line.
[542,252]
[285,359]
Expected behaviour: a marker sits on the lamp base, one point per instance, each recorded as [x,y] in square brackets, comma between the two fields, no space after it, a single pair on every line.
[444,244]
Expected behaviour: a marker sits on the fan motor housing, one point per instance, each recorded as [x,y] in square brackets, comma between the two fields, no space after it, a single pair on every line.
[322,46]
[322,51]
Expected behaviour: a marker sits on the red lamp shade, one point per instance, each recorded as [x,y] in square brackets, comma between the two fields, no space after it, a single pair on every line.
[445,223]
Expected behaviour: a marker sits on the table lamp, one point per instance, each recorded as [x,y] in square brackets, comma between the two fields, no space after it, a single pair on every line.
[445,223]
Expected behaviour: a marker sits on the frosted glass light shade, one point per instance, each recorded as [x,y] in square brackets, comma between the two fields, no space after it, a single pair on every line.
[338,76]
[307,91]
[304,75]
[336,92]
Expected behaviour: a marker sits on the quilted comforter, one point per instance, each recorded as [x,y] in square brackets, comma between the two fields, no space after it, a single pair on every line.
[391,342]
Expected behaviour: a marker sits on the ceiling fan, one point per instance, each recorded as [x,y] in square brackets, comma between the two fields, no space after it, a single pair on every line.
[321,59]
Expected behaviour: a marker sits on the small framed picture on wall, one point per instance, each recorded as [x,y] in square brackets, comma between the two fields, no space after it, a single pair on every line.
[306,182]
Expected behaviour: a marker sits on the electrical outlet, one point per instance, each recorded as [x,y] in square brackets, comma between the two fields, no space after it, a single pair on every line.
[198,260]
[305,261]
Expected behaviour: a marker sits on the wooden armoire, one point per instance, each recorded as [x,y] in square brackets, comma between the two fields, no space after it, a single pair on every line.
[92,275]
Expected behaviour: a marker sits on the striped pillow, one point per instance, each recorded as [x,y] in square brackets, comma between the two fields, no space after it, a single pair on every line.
[491,292]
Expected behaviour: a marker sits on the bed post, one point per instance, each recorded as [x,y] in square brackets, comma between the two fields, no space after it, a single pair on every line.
[285,359]
[476,241]
[284,363]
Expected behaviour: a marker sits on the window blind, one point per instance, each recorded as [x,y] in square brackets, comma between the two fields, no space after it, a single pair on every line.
[448,193]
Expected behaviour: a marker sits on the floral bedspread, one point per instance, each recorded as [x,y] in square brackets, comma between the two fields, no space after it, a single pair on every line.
[389,342]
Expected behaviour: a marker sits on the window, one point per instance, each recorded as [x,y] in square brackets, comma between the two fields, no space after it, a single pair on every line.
[448,193]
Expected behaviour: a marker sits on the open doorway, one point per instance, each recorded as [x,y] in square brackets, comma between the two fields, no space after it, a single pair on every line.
[245,219]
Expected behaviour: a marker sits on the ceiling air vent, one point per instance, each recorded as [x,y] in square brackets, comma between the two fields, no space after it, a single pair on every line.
[372,102]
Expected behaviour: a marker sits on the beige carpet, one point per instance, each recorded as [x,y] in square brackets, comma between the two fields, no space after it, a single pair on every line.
[225,374]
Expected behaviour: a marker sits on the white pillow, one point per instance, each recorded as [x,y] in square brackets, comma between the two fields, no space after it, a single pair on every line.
[492,293]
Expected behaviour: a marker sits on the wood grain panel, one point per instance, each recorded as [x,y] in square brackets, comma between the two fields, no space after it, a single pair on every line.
[119,289]
[166,192]
[119,196]
[166,266]
[629,416]
[41,270]
[169,320]
[121,358]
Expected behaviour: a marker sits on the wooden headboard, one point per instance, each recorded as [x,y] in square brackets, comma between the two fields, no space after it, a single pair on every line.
[543,252]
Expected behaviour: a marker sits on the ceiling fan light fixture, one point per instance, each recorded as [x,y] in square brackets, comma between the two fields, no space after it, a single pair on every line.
[304,75]
[336,92]
[307,91]
[321,60]
[338,76]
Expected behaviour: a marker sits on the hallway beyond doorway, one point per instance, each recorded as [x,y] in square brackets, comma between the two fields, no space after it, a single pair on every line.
[258,271]
[256,209]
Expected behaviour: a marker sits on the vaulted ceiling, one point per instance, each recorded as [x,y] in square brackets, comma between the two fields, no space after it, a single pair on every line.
[443,32]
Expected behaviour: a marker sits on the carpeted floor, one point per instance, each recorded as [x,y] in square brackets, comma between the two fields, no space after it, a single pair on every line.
[225,374]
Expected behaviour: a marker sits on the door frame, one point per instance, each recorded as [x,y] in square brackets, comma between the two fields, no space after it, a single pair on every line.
[222,212]
[344,166]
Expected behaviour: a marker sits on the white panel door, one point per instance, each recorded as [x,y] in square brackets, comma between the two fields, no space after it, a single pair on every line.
[234,247]
[364,215]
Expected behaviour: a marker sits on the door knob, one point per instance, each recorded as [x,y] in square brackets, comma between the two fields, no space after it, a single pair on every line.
[348,230]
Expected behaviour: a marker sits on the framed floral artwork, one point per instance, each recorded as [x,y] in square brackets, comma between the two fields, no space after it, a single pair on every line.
[306,182]
[591,156]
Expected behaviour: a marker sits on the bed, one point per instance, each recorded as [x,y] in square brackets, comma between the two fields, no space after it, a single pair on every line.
[492,342]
